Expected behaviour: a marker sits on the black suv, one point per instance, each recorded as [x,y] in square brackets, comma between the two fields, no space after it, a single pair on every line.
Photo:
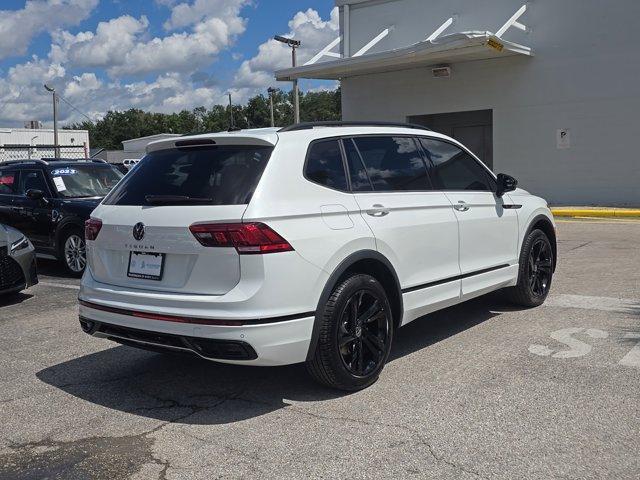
[50,199]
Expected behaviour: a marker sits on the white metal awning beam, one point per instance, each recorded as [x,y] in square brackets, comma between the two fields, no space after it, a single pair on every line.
[452,48]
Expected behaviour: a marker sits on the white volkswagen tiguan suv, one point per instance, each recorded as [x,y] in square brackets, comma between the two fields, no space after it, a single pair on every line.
[311,243]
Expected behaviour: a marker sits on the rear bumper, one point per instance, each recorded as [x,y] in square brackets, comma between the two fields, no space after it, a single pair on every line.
[269,344]
[210,349]
[272,308]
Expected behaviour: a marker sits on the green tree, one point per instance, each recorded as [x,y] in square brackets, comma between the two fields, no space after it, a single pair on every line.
[116,126]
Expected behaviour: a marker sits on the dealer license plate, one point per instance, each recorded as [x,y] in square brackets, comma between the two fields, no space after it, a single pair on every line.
[148,266]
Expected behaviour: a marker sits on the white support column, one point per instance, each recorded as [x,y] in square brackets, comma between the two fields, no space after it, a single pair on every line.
[326,51]
[513,22]
[439,30]
[373,42]
[346,45]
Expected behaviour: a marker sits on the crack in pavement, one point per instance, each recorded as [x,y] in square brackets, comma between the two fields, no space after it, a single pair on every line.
[69,459]
[193,408]
[579,246]
[422,440]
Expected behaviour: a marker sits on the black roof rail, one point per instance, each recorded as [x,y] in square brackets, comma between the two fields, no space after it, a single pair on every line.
[339,123]
[26,161]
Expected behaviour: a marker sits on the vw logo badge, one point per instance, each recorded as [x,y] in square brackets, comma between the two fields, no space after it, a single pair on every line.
[138,231]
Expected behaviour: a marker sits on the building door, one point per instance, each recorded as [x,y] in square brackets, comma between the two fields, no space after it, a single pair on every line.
[473,129]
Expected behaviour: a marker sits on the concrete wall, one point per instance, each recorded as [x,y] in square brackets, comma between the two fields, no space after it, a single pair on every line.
[585,76]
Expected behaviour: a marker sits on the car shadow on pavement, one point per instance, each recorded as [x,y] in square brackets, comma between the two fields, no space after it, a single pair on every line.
[52,268]
[14,299]
[188,390]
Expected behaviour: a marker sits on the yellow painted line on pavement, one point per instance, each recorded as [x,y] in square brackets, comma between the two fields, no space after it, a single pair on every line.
[604,221]
[596,212]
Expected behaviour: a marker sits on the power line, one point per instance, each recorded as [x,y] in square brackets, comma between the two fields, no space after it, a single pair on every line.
[75,108]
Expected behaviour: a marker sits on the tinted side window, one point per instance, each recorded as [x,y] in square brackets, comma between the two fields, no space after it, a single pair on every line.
[324,165]
[393,163]
[359,178]
[8,182]
[32,180]
[455,169]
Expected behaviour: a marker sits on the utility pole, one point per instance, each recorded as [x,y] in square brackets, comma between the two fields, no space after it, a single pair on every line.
[273,118]
[56,145]
[294,44]
[296,92]
[232,125]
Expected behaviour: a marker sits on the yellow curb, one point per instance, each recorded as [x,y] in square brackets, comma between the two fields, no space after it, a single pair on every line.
[597,212]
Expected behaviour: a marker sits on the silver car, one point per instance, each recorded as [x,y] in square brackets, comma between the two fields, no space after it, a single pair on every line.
[17,261]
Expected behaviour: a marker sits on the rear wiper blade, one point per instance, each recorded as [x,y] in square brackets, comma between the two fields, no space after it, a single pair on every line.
[173,199]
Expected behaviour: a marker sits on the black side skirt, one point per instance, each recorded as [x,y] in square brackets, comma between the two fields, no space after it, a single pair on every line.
[453,279]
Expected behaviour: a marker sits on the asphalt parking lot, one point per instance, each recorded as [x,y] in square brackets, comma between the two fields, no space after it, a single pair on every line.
[481,390]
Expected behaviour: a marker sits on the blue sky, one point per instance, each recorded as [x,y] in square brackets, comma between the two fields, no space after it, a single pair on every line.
[159,55]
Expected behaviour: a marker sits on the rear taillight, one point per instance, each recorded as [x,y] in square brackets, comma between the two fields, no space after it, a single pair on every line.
[92,228]
[247,238]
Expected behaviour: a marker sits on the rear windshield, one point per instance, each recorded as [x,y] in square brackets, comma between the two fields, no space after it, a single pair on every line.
[219,175]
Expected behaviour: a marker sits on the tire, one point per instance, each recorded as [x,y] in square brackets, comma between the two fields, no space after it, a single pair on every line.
[358,316]
[72,251]
[535,273]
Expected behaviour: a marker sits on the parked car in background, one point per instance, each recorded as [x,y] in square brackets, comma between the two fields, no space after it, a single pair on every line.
[311,243]
[17,261]
[49,201]
[129,163]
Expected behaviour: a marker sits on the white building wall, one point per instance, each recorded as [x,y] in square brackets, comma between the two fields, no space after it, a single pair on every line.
[584,77]
[24,136]
[30,143]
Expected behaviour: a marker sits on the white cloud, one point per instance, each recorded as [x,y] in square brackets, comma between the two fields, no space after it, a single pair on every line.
[185,14]
[81,86]
[257,73]
[121,46]
[23,97]
[108,46]
[180,51]
[18,27]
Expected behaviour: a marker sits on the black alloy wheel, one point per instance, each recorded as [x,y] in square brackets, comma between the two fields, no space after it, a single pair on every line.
[363,333]
[535,274]
[539,267]
[355,332]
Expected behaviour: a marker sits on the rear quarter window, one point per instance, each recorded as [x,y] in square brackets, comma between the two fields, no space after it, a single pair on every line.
[216,175]
[324,165]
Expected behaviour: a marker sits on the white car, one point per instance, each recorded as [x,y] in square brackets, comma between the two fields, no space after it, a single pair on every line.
[129,163]
[311,243]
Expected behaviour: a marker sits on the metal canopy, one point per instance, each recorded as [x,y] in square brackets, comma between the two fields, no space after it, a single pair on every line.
[453,48]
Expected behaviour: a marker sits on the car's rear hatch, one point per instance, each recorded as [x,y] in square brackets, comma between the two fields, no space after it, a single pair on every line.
[145,242]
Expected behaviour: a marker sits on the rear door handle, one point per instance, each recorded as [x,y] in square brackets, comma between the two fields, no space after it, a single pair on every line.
[378,210]
[461,206]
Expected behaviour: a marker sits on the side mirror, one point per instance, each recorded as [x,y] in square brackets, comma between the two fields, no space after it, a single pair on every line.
[34,194]
[505,183]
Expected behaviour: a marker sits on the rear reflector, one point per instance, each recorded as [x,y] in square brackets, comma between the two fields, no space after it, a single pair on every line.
[247,238]
[92,228]
[194,320]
